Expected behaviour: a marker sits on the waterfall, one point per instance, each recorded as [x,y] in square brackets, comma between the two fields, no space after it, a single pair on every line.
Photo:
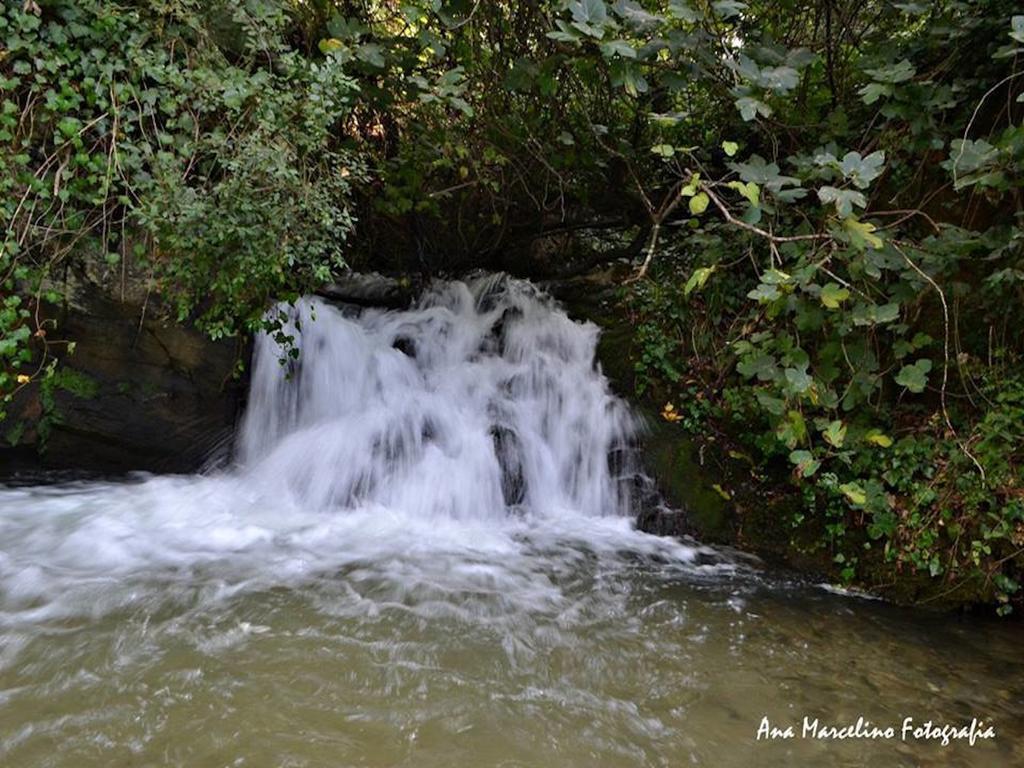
[467,446]
[482,400]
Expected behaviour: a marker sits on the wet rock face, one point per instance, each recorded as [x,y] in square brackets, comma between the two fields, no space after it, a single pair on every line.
[140,392]
[509,453]
[683,500]
[369,289]
[663,521]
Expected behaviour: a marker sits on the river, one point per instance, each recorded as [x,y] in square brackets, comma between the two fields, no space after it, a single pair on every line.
[422,554]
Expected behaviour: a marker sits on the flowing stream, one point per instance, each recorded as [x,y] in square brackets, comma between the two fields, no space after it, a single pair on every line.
[424,556]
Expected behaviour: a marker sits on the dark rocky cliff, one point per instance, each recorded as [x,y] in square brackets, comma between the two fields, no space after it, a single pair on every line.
[140,391]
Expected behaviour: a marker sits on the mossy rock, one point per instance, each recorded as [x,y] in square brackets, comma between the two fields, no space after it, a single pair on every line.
[696,505]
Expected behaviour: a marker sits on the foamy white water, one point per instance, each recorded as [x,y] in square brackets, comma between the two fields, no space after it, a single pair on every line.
[448,444]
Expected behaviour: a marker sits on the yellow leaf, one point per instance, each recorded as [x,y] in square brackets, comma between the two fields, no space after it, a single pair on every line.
[861,232]
[24,379]
[741,456]
[698,279]
[876,437]
[750,190]
[854,493]
[699,203]
[330,44]
[691,188]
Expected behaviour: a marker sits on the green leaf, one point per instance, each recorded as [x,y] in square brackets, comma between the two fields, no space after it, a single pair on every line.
[726,9]
[699,203]
[895,73]
[680,9]
[886,313]
[589,17]
[69,126]
[832,295]
[371,54]
[691,186]
[971,155]
[750,108]
[775,277]
[761,172]
[862,170]
[764,293]
[762,366]
[844,199]
[565,34]
[792,431]
[798,380]
[663,150]
[872,92]
[806,464]
[698,279]
[618,48]
[627,75]
[778,79]
[834,433]
[633,13]
[773,405]
[589,11]
[721,491]
[914,377]
[1017,28]
[970,161]
[730,147]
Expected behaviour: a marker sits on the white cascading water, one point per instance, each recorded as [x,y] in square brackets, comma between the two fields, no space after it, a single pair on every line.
[468,445]
[484,398]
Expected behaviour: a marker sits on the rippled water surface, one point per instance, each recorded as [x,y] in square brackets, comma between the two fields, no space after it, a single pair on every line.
[423,556]
[532,646]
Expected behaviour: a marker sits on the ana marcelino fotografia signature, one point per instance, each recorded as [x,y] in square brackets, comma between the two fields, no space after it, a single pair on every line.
[905,729]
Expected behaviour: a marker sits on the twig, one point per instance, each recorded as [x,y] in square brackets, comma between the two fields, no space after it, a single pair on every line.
[667,206]
[945,356]
[974,116]
[757,230]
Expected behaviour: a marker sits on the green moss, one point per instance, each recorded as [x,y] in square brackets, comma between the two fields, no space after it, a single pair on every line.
[673,457]
[63,379]
[75,382]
